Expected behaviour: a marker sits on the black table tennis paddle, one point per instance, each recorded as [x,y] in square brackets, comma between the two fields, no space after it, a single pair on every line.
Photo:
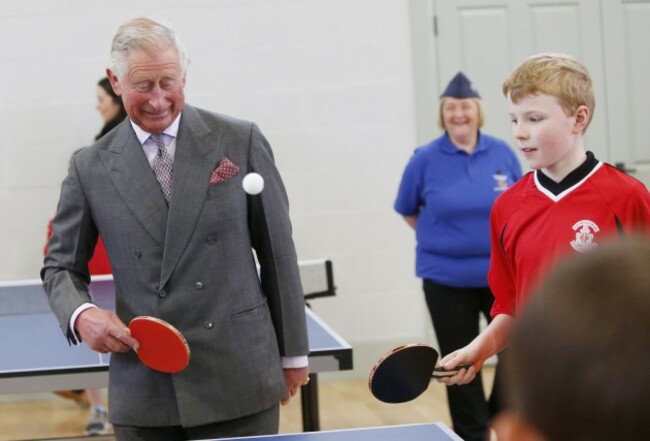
[403,373]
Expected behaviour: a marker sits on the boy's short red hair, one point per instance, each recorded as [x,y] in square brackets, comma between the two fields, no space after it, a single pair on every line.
[558,75]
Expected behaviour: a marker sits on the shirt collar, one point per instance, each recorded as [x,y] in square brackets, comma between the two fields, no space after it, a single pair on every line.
[143,135]
[573,178]
[449,147]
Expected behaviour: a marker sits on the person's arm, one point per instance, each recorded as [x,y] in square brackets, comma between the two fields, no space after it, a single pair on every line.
[408,201]
[411,220]
[65,273]
[488,343]
[270,229]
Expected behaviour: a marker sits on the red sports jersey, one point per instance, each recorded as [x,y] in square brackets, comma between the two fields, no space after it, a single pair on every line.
[531,228]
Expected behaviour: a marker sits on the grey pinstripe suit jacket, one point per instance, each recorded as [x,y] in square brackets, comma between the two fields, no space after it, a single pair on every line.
[190,263]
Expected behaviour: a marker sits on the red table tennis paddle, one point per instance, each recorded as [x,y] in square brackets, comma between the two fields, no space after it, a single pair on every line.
[162,347]
[404,373]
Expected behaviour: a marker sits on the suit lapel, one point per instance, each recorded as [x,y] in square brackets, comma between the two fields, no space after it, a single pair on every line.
[198,148]
[133,178]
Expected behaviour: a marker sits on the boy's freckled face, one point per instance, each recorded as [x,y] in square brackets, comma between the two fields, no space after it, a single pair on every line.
[543,132]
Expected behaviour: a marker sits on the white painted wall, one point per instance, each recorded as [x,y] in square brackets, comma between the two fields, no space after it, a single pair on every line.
[330,83]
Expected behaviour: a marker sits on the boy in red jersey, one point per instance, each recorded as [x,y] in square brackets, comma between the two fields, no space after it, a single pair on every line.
[569,203]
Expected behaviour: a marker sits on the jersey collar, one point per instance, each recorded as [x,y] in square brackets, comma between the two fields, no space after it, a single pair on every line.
[555,190]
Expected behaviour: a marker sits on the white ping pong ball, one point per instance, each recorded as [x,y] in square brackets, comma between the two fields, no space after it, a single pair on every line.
[253,183]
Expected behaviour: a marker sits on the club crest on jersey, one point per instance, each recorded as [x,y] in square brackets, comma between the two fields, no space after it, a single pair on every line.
[584,241]
[501,181]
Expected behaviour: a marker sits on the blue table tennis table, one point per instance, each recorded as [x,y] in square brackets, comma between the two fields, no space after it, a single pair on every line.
[408,432]
[37,357]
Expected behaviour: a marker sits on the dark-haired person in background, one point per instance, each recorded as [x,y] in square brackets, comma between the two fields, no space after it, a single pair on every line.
[109,106]
[446,195]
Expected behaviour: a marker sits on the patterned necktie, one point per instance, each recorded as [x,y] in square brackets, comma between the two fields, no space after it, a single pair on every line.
[162,166]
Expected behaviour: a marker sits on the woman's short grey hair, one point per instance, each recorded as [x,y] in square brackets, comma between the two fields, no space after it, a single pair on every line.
[144,34]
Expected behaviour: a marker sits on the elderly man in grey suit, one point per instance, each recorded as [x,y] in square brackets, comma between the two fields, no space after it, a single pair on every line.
[164,190]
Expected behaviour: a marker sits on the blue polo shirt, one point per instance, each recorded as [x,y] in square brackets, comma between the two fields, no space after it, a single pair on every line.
[452,193]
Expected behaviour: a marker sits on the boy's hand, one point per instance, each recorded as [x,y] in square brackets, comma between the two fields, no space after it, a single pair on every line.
[465,356]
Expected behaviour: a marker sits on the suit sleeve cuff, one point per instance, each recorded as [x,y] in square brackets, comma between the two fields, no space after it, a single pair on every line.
[295,362]
[73,319]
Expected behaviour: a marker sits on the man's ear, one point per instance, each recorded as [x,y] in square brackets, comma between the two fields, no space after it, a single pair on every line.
[115,82]
[511,427]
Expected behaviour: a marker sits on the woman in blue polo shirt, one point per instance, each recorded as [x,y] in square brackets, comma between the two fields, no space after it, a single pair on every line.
[446,194]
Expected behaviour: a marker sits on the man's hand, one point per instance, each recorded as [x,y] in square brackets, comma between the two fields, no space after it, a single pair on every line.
[295,378]
[104,332]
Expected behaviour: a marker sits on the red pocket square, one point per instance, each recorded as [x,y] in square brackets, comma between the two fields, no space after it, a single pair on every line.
[225,170]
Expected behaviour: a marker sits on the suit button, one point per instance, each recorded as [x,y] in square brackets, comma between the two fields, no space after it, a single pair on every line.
[162,293]
[208,325]
[198,284]
[137,254]
[212,240]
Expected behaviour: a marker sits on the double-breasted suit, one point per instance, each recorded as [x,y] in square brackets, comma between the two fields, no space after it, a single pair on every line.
[189,263]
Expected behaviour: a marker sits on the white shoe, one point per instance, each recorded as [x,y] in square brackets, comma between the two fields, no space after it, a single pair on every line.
[98,423]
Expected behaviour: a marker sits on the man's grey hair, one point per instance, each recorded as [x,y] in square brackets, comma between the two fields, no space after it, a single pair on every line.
[144,34]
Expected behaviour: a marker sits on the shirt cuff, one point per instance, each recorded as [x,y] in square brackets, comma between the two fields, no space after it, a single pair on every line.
[81,308]
[295,362]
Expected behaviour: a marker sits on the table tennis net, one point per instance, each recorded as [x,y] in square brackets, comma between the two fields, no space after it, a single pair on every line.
[27,296]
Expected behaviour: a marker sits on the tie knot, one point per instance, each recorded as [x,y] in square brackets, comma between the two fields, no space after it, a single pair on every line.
[157,138]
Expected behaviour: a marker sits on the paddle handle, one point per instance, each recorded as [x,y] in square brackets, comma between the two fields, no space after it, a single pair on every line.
[440,372]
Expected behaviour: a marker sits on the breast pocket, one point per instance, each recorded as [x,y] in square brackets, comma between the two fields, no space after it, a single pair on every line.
[233,184]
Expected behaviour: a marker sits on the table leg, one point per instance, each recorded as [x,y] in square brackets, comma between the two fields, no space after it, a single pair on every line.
[309,402]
